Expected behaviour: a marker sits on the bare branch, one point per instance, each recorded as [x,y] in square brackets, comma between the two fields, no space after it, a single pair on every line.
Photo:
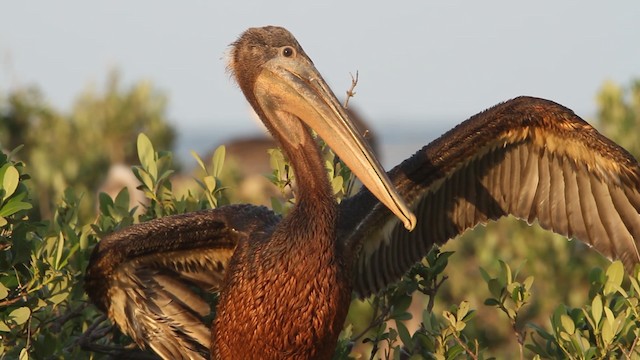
[351,93]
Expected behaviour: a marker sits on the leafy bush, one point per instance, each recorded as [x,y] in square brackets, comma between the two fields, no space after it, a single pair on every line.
[43,310]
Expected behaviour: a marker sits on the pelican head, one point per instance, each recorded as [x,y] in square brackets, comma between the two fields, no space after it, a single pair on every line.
[289,94]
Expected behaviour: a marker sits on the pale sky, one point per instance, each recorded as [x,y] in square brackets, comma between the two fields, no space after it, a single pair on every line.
[418,61]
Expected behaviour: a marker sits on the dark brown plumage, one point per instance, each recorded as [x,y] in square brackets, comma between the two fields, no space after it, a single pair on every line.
[531,158]
[285,284]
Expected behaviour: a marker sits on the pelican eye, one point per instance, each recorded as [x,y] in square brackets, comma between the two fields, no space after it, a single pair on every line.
[287,51]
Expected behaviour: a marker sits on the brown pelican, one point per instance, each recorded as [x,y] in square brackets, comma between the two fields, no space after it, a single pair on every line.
[285,284]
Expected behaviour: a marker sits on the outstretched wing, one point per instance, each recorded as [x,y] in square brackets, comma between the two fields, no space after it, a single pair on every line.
[147,277]
[528,157]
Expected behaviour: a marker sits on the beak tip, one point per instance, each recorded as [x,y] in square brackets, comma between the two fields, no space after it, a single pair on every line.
[410,222]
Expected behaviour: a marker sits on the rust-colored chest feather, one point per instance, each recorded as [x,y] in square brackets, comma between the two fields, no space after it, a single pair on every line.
[285,297]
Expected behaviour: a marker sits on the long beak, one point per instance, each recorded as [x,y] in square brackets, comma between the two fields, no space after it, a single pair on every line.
[301,91]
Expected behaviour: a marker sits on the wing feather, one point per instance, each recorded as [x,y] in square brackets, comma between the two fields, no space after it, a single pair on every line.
[527,157]
[557,201]
[152,278]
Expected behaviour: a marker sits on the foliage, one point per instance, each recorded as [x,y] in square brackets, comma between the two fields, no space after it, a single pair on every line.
[438,337]
[76,150]
[437,311]
[607,327]
[619,114]
[113,118]
[40,265]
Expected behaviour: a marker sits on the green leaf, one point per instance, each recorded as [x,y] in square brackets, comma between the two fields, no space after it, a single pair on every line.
[591,352]
[198,160]
[596,276]
[615,274]
[218,161]
[277,162]
[442,258]
[449,316]
[463,310]
[122,199]
[636,285]
[144,177]
[505,274]
[276,205]
[3,168]
[328,165]
[4,327]
[454,352]
[336,184]
[495,287]
[404,334]
[165,175]
[491,302]
[210,183]
[146,154]
[560,310]
[20,315]
[513,290]
[58,298]
[401,304]
[528,282]
[607,333]
[392,334]
[596,309]
[485,275]
[4,292]
[105,203]
[402,316]
[24,354]
[10,181]
[13,206]
[567,324]
[610,318]
[41,303]
[59,250]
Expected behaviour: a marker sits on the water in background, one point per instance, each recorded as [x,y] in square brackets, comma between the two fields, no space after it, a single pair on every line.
[397,141]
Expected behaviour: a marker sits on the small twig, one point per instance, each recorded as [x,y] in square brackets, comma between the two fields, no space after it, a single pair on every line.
[432,293]
[465,347]
[14,300]
[633,346]
[27,345]
[520,338]
[627,354]
[374,350]
[376,321]
[351,93]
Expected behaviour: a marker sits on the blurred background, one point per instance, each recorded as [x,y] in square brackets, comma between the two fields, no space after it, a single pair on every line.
[80,80]
[423,66]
